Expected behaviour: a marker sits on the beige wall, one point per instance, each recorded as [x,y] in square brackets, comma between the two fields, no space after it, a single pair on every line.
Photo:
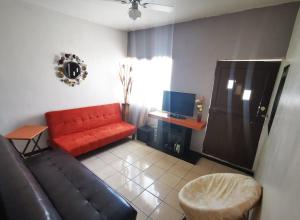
[262,33]
[279,164]
[196,46]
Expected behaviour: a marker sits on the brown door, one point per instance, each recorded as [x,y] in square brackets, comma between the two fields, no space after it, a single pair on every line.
[240,99]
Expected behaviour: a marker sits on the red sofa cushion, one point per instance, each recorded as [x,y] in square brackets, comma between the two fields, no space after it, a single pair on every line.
[85,141]
[84,129]
[81,119]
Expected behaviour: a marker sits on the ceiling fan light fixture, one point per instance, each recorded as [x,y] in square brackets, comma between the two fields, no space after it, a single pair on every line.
[134,13]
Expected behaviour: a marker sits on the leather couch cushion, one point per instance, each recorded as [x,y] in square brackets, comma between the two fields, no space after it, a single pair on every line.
[82,142]
[75,191]
[20,194]
[81,119]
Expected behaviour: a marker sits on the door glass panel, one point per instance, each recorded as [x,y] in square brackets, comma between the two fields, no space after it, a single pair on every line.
[230,84]
[246,95]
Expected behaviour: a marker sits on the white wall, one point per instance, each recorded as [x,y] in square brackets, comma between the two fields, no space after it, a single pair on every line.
[264,132]
[31,39]
[279,165]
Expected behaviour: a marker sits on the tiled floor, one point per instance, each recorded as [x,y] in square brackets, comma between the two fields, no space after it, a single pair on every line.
[149,179]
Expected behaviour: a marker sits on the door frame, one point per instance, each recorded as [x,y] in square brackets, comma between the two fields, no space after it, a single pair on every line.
[264,132]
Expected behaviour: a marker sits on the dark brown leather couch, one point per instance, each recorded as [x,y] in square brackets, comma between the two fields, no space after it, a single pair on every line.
[54,185]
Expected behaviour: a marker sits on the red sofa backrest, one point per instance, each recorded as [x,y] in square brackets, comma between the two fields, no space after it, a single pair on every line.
[75,120]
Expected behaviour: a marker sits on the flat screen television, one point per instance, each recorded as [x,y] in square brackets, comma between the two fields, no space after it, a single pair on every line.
[179,103]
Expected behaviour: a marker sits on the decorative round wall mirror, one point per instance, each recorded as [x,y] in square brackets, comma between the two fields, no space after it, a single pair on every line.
[71,70]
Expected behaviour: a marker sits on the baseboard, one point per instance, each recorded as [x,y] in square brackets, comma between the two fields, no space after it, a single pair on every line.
[215,159]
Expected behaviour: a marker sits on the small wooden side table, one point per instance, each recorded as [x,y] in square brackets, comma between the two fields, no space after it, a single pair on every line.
[27,133]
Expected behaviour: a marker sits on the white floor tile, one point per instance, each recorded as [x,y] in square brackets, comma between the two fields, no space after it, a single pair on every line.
[108,157]
[165,212]
[172,200]
[93,163]
[154,172]
[130,190]
[130,172]
[181,184]
[142,164]
[191,176]
[146,177]
[119,164]
[143,180]
[105,172]
[159,189]
[164,164]
[169,179]
[116,181]
[146,202]
[178,170]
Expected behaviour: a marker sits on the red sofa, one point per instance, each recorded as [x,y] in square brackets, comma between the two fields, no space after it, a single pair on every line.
[81,130]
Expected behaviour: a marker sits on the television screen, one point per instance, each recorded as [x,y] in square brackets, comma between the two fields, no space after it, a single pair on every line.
[179,103]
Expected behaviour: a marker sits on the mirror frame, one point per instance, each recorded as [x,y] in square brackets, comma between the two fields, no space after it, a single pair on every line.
[71,58]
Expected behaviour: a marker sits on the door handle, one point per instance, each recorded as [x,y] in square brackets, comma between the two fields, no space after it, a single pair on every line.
[261,111]
[263,108]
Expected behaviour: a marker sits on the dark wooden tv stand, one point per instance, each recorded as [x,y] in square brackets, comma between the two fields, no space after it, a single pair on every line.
[174,131]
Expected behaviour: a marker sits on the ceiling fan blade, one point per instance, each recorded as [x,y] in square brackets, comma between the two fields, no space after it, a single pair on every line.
[121,1]
[125,1]
[158,7]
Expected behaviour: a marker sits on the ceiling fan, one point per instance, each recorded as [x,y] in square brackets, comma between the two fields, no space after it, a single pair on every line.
[134,12]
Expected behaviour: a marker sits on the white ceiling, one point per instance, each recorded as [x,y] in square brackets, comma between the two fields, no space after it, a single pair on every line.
[114,14]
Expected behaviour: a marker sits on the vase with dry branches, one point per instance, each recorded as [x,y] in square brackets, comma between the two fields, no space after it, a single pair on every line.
[125,75]
[199,106]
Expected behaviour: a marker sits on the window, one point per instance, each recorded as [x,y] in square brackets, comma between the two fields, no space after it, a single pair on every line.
[151,78]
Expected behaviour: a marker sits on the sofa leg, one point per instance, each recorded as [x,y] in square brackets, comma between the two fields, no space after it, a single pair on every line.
[133,136]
